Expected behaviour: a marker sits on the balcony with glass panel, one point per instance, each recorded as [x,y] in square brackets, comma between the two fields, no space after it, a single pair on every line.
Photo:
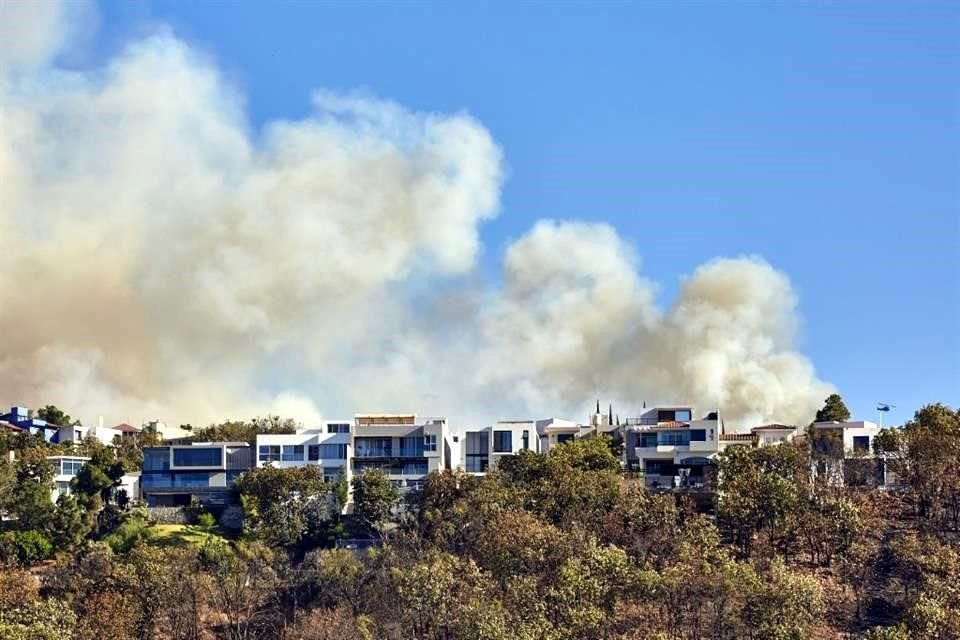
[374,448]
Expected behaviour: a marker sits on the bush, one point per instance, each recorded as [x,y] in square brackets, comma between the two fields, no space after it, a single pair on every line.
[206,520]
[133,529]
[31,547]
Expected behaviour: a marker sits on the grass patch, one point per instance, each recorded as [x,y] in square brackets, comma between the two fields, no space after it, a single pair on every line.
[181,535]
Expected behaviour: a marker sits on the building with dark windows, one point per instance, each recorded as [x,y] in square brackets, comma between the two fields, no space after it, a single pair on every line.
[403,446]
[672,447]
[177,475]
[328,446]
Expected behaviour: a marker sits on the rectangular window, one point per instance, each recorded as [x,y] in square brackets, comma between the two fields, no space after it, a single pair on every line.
[477,463]
[411,447]
[198,457]
[502,442]
[682,415]
[430,443]
[526,439]
[332,474]
[698,435]
[194,479]
[564,437]
[861,444]
[270,453]
[63,488]
[648,439]
[338,427]
[675,438]
[333,451]
[313,452]
[292,453]
[156,459]
[374,447]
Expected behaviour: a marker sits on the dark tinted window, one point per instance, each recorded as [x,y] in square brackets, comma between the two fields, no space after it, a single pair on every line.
[156,459]
[698,435]
[198,457]
[502,441]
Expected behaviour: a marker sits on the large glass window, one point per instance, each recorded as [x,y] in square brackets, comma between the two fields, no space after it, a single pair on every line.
[682,415]
[269,453]
[374,447]
[478,449]
[71,467]
[564,437]
[332,474]
[698,435]
[411,447]
[63,488]
[502,442]
[338,427]
[648,439]
[191,479]
[156,459]
[676,438]
[155,480]
[861,444]
[333,451]
[292,453]
[430,442]
[198,457]
[313,452]
[413,468]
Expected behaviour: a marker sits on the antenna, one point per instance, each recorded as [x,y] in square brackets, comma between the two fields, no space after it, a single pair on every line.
[882,408]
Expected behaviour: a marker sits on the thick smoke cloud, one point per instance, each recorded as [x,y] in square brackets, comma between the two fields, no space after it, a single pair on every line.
[162,259]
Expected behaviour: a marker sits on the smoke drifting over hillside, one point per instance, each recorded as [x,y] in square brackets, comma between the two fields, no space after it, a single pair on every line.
[161,259]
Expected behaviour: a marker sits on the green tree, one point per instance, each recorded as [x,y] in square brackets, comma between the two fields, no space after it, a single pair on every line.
[239,431]
[56,416]
[834,410]
[285,507]
[375,500]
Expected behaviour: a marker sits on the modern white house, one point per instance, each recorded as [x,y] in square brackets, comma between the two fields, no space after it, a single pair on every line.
[406,447]
[67,467]
[843,451]
[672,447]
[554,431]
[328,446]
[773,434]
[479,449]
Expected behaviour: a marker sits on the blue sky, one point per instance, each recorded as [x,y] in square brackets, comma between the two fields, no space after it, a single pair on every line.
[823,137]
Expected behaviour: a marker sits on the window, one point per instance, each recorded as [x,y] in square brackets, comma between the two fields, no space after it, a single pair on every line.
[156,459]
[63,488]
[526,439]
[292,453]
[648,439]
[411,447]
[198,457]
[673,415]
[564,437]
[191,479]
[156,480]
[430,443]
[456,438]
[861,443]
[334,451]
[313,452]
[682,415]
[332,474]
[338,427]
[71,467]
[374,447]
[502,442]
[412,468]
[478,448]
[675,438]
[698,435]
[270,453]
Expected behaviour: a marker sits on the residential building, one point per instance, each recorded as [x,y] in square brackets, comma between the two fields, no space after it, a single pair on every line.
[843,452]
[671,447]
[403,446]
[773,434]
[483,447]
[22,418]
[328,446]
[554,431]
[67,467]
[176,475]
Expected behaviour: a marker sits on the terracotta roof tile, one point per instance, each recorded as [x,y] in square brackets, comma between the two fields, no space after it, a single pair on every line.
[126,428]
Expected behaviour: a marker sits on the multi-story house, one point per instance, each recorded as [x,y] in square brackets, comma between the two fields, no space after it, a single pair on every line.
[66,468]
[481,448]
[671,447]
[176,475]
[554,431]
[328,446]
[403,446]
[843,453]
[22,419]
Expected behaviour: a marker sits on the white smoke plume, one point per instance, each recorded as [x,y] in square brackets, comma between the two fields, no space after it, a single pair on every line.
[163,259]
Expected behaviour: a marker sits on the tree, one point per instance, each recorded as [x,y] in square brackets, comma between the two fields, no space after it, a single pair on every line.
[56,416]
[239,431]
[834,410]
[375,499]
[285,507]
